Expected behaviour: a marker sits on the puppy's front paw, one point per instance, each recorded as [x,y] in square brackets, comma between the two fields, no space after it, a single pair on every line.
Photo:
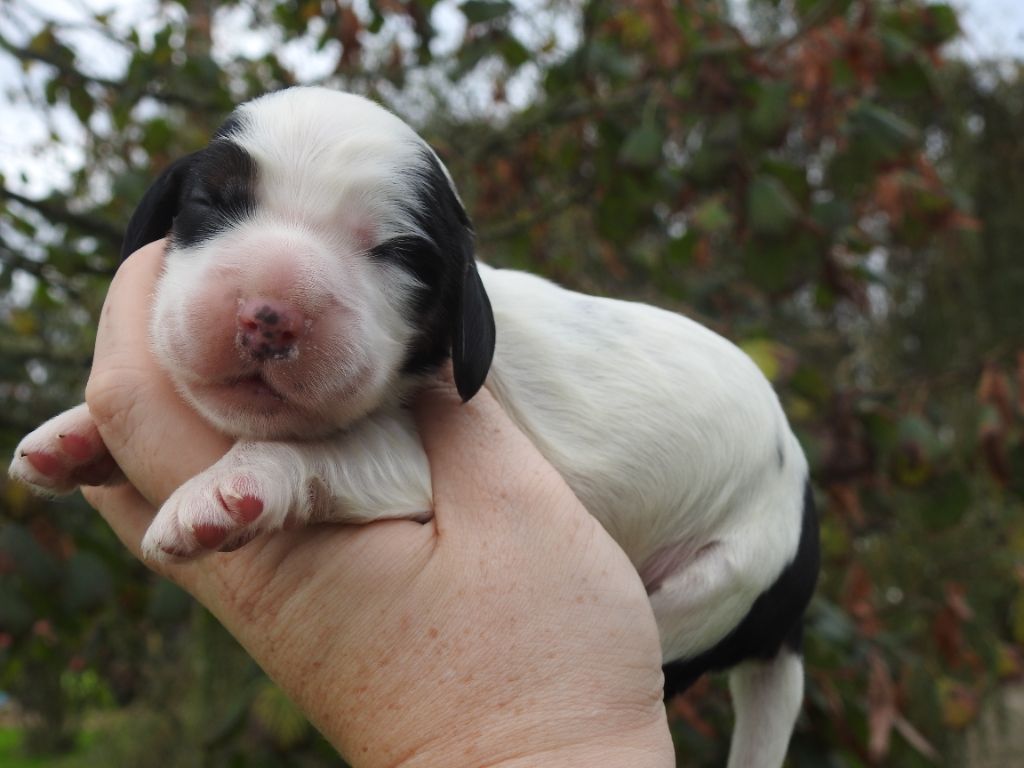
[222,509]
[62,454]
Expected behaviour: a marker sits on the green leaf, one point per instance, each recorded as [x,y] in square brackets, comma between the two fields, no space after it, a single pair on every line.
[82,103]
[480,11]
[88,582]
[1016,460]
[16,615]
[916,451]
[940,24]
[779,263]
[832,215]
[643,146]
[712,216]
[950,498]
[33,563]
[888,133]
[768,355]
[279,717]
[168,603]
[771,210]
[513,52]
[771,113]
[610,60]
[680,250]
[1017,618]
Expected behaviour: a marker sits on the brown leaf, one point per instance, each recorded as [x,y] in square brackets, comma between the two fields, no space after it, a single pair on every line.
[665,34]
[847,499]
[1020,383]
[994,390]
[858,599]
[956,599]
[947,627]
[948,636]
[348,27]
[993,450]
[687,708]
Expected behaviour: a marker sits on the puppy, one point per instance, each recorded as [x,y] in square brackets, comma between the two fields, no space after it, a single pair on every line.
[321,265]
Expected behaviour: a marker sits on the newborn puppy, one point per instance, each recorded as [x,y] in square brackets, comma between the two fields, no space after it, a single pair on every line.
[320,266]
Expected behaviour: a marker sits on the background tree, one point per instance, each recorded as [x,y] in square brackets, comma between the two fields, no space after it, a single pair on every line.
[810,178]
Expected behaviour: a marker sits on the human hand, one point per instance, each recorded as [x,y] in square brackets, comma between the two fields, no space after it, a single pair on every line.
[510,630]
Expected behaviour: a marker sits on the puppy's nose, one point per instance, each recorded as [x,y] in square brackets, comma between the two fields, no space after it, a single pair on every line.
[269,329]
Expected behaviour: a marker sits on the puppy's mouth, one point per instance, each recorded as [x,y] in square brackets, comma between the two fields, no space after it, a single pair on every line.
[254,385]
[249,392]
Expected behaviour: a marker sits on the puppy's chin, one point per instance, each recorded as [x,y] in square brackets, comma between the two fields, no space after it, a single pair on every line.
[250,409]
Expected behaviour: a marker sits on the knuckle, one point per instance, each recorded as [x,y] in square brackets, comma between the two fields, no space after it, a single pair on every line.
[112,397]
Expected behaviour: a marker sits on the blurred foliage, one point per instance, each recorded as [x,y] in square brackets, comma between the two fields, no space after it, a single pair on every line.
[814,179]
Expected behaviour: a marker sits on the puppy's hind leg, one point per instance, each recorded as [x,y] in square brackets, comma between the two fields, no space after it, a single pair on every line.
[766,698]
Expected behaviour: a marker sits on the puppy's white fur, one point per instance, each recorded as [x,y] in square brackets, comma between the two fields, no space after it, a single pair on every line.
[669,434]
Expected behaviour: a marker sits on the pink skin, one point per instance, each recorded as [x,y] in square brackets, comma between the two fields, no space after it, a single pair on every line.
[74,458]
[668,560]
[211,344]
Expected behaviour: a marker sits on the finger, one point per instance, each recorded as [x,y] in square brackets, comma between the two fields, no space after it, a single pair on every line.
[129,514]
[125,511]
[142,419]
[481,463]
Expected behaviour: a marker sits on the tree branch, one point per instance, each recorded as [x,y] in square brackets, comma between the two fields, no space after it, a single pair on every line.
[61,215]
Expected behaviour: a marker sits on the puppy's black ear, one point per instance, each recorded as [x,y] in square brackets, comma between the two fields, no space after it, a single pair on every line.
[472,334]
[153,217]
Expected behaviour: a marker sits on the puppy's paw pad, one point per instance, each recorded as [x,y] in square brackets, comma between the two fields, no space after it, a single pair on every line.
[63,453]
[241,498]
[209,536]
[81,448]
[46,464]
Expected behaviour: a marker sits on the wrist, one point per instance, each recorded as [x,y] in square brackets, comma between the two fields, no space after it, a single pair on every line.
[643,746]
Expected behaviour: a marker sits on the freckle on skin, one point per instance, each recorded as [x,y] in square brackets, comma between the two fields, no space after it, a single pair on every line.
[432,632]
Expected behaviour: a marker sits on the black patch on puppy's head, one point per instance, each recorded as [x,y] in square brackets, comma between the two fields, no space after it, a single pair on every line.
[196,197]
[450,310]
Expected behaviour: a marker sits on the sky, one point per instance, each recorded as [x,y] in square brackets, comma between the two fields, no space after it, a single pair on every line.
[992,28]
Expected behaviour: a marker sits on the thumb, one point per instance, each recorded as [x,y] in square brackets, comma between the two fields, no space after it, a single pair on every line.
[483,469]
[135,406]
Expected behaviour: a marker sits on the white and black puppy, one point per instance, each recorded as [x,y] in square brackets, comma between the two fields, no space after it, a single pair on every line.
[321,264]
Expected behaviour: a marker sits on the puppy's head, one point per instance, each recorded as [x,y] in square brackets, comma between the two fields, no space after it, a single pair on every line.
[319,259]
